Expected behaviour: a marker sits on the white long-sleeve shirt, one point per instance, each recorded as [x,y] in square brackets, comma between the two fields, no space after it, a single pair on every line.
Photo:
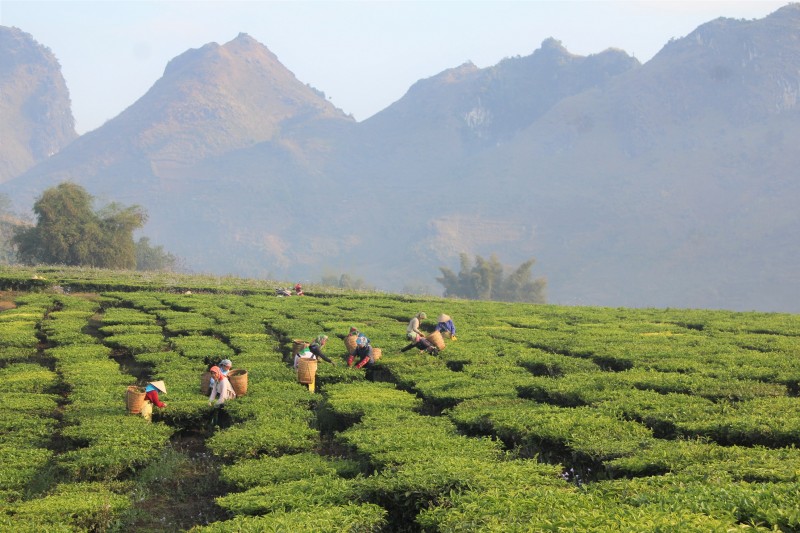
[413,327]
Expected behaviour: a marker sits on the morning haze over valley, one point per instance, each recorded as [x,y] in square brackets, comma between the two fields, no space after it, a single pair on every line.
[668,183]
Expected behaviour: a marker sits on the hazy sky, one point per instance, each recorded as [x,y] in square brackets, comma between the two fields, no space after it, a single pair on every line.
[363,54]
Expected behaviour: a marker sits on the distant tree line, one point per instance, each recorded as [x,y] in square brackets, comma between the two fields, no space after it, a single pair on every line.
[345,281]
[68,231]
[485,279]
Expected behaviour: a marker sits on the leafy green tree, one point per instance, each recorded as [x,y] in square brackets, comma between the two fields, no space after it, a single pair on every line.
[8,223]
[116,227]
[150,257]
[485,280]
[69,232]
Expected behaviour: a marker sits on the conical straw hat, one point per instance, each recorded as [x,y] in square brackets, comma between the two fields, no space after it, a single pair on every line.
[443,318]
[159,385]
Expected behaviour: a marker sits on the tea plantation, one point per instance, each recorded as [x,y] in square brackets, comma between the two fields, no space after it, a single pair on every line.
[538,418]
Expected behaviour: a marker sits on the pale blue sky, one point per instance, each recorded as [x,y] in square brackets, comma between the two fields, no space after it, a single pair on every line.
[363,54]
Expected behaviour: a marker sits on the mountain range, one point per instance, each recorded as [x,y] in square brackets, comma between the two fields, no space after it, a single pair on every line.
[672,183]
[35,115]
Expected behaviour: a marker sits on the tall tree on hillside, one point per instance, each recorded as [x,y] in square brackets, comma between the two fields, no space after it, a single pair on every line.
[486,280]
[69,232]
[152,257]
[8,223]
[519,287]
[116,226]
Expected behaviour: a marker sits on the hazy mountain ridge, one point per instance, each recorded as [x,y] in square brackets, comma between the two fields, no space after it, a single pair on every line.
[34,104]
[671,183]
[678,204]
[486,106]
[211,101]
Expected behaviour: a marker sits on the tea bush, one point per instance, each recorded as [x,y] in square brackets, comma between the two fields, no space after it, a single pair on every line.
[537,418]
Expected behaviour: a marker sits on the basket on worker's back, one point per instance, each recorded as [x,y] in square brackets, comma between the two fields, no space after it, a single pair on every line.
[298,345]
[436,339]
[306,370]
[205,383]
[238,379]
[377,353]
[350,343]
[134,399]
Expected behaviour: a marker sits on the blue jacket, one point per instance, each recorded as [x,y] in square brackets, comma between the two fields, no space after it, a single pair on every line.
[362,352]
[446,326]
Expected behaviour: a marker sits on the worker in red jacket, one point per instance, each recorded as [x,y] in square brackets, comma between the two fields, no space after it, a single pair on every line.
[363,352]
[152,390]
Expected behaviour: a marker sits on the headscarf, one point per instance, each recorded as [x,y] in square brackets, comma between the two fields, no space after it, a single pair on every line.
[321,339]
[361,341]
[353,331]
[421,315]
[226,362]
[216,373]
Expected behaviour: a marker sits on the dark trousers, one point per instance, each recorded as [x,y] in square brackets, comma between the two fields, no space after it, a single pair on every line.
[422,344]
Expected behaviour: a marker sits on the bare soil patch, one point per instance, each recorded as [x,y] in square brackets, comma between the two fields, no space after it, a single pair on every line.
[7,300]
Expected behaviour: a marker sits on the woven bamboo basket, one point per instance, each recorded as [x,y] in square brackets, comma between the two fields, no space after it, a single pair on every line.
[134,399]
[205,383]
[436,339]
[238,379]
[350,344]
[297,346]
[306,370]
[377,353]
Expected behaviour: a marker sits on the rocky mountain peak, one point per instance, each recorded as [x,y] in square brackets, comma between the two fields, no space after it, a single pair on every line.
[552,45]
[218,98]
[789,12]
[737,69]
[213,57]
[19,48]
[35,115]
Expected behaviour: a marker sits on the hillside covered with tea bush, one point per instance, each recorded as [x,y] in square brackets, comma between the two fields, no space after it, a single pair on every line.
[538,418]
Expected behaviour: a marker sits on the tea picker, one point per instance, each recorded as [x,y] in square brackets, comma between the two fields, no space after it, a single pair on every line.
[446,327]
[152,390]
[423,344]
[363,352]
[221,388]
[413,326]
